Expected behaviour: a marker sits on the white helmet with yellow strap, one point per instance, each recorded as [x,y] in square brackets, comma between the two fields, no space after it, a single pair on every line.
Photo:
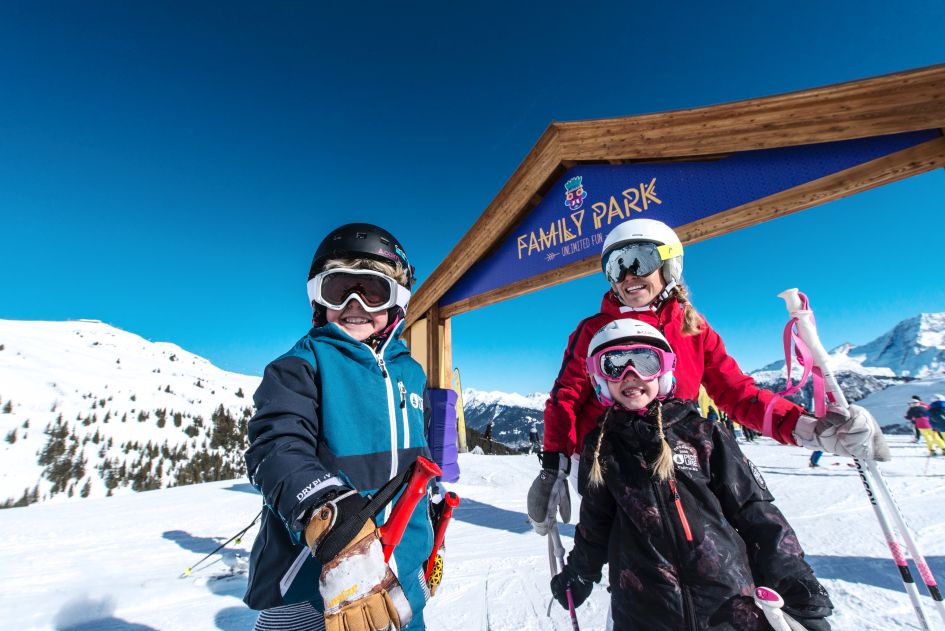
[640,247]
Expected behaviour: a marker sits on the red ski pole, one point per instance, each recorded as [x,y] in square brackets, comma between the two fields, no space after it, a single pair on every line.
[393,529]
[450,501]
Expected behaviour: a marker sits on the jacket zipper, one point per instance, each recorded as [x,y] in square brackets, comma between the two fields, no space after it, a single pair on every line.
[391,413]
[679,509]
[688,613]
[403,412]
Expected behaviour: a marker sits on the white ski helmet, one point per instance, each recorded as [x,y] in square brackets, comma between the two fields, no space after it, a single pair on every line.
[627,331]
[649,231]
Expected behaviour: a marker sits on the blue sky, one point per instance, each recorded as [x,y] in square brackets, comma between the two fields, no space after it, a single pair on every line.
[170,167]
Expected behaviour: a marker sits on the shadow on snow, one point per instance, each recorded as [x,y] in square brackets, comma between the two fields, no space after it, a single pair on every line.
[489,516]
[88,614]
[875,571]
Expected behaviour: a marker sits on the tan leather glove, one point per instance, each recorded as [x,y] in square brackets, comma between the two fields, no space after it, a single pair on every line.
[360,591]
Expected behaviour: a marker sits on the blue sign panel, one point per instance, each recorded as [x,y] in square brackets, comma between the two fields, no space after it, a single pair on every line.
[582,207]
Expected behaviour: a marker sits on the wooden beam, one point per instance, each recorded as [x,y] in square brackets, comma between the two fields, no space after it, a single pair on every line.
[446,358]
[894,167]
[905,101]
[434,347]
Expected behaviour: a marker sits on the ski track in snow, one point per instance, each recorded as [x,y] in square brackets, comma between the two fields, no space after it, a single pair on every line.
[112,564]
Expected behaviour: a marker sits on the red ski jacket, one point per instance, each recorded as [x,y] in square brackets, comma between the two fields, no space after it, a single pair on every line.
[572,408]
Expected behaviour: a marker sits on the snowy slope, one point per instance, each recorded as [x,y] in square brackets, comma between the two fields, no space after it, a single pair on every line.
[110,388]
[112,563]
[889,405]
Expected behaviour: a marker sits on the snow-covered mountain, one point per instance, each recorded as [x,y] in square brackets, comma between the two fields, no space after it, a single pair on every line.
[514,414]
[913,348]
[89,410]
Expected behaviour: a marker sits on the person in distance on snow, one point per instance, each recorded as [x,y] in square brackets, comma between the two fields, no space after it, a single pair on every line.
[338,416]
[937,414]
[671,503]
[642,260]
[918,413]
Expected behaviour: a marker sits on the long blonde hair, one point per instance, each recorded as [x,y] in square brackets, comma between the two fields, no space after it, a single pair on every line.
[662,465]
[692,321]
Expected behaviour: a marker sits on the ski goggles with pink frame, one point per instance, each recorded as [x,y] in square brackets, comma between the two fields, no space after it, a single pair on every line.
[646,362]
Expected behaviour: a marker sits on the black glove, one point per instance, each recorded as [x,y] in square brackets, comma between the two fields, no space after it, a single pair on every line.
[580,587]
[806,600]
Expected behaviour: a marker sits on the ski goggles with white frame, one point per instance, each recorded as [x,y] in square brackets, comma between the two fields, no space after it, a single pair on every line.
[640,258]
[335,288]
[646,362]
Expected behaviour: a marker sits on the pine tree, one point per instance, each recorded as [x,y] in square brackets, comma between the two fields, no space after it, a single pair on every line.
[86,488]
[8,407]
[11,437]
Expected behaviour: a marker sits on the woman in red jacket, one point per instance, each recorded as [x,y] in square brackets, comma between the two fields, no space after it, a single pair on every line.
[642,260]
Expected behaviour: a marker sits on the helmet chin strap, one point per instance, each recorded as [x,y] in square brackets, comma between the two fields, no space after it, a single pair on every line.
[654,305]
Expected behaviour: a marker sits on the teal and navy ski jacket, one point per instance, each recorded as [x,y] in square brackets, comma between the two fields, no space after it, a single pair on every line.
[331,415]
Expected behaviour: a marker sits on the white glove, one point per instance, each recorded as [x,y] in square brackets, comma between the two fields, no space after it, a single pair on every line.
[857,435]
[549,493]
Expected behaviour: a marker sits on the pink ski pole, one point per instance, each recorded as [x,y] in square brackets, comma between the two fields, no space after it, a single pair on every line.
[799,309]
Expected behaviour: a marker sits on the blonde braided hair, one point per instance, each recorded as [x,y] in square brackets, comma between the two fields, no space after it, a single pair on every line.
[692,321]
[662,466]
[597,471]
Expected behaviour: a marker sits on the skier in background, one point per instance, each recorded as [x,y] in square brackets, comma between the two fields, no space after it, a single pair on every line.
[488,434]
[727,421]
[918,413]
[937,414]
[324,437]
[915,427]
[533,444]
[642,260]
[671,503]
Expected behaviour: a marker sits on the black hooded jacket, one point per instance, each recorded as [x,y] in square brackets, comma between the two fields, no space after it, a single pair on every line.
[686,553]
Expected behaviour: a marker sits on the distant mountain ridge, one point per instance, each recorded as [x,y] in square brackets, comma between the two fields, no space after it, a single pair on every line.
[914,348]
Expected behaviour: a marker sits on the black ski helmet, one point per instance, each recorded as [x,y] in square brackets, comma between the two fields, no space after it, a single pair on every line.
[361,241]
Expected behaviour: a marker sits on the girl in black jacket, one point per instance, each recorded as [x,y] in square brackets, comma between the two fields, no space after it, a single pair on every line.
[671,503]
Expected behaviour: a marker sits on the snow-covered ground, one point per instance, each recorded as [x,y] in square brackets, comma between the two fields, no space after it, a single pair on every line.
[112,564]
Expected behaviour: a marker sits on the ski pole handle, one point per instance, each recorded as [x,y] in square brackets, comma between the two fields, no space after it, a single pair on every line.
[807,331]
[450,501]
[416,489]
[770,602]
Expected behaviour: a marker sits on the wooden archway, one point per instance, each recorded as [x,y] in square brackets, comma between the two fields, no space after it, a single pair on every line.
[910,101]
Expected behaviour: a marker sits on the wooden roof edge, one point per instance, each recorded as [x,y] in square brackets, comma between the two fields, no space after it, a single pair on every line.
[506,208]
[489,226]
[931,73]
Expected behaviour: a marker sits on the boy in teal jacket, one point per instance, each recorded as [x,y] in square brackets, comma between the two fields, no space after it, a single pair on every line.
[338,416]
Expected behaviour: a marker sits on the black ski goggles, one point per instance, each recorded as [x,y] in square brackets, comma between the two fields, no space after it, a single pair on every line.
[637,259]
[375,291]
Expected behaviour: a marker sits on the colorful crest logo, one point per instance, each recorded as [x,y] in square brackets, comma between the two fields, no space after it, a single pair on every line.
[574,193]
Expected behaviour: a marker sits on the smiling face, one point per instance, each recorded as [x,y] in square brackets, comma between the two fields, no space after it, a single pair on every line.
[639,291]
[357,322]
[632,393]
